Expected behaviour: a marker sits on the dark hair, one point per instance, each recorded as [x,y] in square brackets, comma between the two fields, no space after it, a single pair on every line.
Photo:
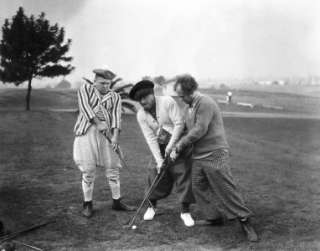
[142,93]
[187,82]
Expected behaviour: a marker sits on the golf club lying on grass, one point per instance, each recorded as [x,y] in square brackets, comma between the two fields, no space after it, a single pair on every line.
[27,245]
[153,185]
[23,231]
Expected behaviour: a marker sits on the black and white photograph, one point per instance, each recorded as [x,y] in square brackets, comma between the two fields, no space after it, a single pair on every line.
[159,125]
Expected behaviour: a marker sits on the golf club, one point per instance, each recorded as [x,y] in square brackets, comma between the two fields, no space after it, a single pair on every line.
[15,234]
[27,245]
[153,185]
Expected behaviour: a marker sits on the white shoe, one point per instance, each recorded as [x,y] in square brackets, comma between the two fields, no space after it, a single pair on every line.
[187,219]
[149,214]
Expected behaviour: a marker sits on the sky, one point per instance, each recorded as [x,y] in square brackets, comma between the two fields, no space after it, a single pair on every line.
[207,38]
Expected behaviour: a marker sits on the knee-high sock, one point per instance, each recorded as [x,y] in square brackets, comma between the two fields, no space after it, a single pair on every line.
[114,183]
[87,186]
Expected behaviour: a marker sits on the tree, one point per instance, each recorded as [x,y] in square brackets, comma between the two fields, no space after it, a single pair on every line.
[32,48]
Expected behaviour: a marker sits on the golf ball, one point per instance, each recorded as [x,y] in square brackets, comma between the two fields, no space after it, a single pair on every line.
[134,227]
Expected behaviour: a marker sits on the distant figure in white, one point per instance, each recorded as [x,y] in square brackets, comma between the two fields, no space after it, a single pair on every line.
[229,97]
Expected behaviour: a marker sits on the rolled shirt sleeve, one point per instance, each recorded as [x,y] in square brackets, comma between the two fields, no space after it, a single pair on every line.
[150,137]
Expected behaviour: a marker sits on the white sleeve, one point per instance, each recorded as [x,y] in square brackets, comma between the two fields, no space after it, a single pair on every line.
[177,120]
[151,138]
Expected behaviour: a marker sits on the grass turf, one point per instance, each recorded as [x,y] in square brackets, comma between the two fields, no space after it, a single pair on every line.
[274,161]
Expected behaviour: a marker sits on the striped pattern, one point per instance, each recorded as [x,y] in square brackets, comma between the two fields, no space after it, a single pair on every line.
[214,187]
[89,101]
[100,115]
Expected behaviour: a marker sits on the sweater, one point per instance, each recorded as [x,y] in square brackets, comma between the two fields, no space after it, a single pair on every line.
[205,127]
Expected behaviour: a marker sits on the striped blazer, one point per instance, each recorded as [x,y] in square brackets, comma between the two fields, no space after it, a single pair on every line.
[89,101]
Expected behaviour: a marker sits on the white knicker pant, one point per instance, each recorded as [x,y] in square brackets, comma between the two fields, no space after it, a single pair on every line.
[90,151]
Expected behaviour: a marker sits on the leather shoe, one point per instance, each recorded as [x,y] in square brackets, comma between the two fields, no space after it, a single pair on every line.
[3,230]
[118,205]
[87,210]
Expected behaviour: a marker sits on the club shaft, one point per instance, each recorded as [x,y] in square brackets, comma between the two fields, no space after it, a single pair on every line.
[146,197]
[27,245]
[143,201]
[15,234]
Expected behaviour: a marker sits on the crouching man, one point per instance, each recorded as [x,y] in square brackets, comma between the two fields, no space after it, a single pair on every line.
[162,125]
[213,185]
[99,113]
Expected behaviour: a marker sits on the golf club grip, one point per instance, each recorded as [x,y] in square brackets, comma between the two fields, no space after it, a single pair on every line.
[90,82]
[15,234]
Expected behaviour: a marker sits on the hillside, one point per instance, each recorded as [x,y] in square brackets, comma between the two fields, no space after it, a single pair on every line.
[40,98]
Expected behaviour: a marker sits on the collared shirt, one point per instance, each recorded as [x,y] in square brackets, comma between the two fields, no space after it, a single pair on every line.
[168,116]
[91,102]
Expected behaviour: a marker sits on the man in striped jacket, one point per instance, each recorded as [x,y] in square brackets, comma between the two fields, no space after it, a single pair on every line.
[99,115]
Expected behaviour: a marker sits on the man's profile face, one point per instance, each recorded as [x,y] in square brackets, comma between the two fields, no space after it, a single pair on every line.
[147,102]
[186,98]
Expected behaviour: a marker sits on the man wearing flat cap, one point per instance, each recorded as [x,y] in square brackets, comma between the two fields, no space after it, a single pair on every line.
[162,125]
[99,116]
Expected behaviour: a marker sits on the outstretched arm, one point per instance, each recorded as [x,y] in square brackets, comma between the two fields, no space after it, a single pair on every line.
[151,139]
[203,117]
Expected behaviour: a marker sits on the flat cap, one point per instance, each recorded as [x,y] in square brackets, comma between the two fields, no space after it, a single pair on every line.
[142,85]
[104,73]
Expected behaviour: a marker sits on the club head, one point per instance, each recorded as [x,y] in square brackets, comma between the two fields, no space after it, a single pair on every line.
[130,226]
[126,226]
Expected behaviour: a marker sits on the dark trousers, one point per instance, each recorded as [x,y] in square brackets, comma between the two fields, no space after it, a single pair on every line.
[177,175]
[214,188]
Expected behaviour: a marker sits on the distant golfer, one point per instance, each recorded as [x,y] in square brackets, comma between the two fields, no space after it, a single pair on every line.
[99,112]
[162,125]
[212,183]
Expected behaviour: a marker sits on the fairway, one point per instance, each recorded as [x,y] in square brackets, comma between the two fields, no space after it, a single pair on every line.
[275,162]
